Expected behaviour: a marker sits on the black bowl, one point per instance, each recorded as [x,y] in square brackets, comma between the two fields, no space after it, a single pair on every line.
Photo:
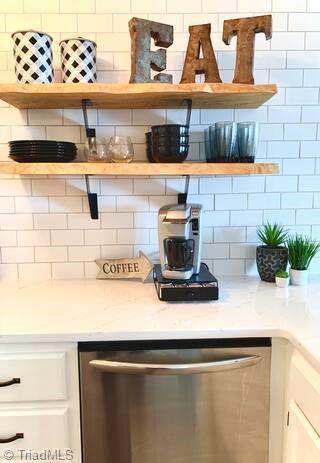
[149,147]
[173,130]
[171,139]
[170,153]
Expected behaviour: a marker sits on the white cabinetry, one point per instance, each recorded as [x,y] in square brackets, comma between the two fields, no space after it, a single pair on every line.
[303,401]
[39,401]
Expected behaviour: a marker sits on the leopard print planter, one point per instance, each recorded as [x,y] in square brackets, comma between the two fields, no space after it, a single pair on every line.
[270,261]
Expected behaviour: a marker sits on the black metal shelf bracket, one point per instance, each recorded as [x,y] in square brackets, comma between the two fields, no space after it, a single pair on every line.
[183,197]
[92,197]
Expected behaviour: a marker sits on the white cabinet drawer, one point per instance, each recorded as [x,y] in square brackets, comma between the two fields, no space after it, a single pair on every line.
[305,389]
[303,443]
[42,376]
[41,428]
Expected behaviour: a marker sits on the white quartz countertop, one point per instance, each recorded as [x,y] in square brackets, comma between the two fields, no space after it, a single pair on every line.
[101,310]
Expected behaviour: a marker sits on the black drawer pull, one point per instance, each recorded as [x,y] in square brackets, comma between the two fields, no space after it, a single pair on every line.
[9,383]
[19,435]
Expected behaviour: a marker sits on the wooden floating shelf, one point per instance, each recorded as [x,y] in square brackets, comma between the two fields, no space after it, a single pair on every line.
[135,169]
[138,96]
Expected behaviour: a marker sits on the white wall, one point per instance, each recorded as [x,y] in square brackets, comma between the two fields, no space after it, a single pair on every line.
[45,228]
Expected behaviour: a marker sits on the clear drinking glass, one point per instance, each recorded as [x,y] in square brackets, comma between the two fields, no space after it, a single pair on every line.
[248,138]
[95,152]
[120,149]
[225,136]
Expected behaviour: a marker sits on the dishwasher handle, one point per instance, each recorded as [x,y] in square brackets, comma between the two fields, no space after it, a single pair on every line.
[128,368]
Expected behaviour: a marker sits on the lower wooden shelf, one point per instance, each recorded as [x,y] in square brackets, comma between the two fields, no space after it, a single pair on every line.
[135,169]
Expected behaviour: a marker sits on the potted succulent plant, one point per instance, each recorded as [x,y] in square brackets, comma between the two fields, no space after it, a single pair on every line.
[272,255]
[301,252]
[282,279]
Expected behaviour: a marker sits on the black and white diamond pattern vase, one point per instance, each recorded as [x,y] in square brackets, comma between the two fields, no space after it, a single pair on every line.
[78,60]
[33,57]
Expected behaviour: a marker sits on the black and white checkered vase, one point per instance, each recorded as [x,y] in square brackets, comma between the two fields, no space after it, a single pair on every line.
[33,57]
[78,60]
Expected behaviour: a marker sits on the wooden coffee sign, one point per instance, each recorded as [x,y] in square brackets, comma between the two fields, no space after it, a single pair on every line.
[143,59]
[133,267]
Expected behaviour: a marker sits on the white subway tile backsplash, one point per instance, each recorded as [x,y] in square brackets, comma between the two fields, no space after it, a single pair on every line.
[289,5]
[303,59]
[218,6]
[281,184]
[298,166]
[311,78]
[116,252]
[215,251]
[50,221]
[34,271]
[287,77]
[313,5]
[287,41]
[303,21]
[284,113]
[71,134]
[145,220]
[67,237]
[35,6]
[62,271]
[83,253]
[296,200]
[144,6]
[309,183]
[98,237]
[229,234]
[225,202]
[310,149]
[242,251]
[132,203]
[31,204]
[216,218]
[8,271]
[299,96]
[229,267]
[59,22]
[33,238]
[46,230]
[47,187]
[283,149]
[51,254]
[300,131]
[6,204]
[245,184]
[16,221]
[308,216]
[263,200]
[242,218]
[133,236]
[215,185]
[310,114]
[17,254]
[259,7]
[149,186]
[313,40]
[45,116]
[284,216]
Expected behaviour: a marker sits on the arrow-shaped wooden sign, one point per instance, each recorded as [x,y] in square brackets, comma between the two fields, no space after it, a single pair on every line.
[134,267]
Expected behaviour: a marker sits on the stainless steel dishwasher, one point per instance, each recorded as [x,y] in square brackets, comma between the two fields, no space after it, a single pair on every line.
[184,401]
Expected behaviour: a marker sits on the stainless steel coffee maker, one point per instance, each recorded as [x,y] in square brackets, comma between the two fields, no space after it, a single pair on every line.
[180,240]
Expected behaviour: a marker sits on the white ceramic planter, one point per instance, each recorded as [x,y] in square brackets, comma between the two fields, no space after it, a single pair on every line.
[299,277]
[282,282]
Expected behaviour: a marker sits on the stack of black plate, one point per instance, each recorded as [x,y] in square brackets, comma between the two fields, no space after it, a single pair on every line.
[42,151]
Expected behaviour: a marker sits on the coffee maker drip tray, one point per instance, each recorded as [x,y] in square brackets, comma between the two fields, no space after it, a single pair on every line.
[201,287]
